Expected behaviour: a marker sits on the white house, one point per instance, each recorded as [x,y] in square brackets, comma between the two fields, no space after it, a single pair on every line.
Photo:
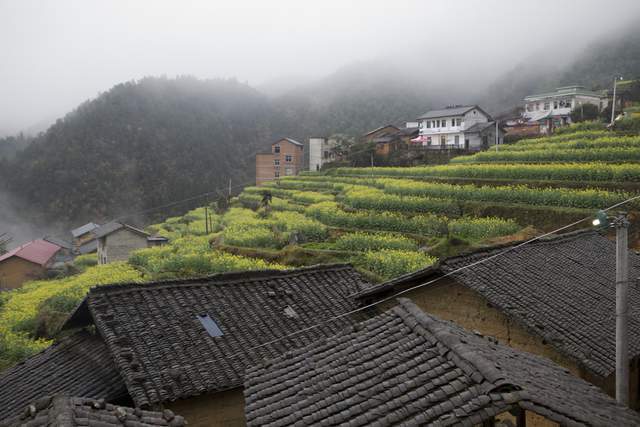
[461,126]
[321,151]
[553,109]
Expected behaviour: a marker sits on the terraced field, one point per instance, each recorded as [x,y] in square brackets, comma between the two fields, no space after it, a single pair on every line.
[386,221]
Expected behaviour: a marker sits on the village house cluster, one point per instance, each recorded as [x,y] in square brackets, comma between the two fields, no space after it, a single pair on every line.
[461,128]
[37,259]
[321,345]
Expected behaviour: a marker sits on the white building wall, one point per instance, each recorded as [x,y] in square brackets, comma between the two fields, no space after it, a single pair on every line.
[315,153]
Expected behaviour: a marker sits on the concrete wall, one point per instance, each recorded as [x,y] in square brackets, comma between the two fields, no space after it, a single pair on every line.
[315,153]
[118,245]
[15,271]
[452,301]
[210,410]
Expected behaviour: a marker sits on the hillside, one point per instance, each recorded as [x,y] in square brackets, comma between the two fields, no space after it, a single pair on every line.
[142,144]
[595,68]
[387,221]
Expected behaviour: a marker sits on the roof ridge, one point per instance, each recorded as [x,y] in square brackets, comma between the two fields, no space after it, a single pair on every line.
[442,330]
[223,278]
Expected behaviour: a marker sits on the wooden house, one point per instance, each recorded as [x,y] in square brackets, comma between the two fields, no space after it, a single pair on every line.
[286,158]
[554,297]
[406,367]
[184,345]
[27,262]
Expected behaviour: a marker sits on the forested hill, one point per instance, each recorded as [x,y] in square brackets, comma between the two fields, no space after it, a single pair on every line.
[147,143]
[616,55]
[142,144]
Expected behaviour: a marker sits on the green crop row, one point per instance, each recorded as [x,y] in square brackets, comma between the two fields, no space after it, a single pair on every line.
[563,197]
[390,263]
[622,154]
[254,201]
[558,171]
[375,199]
[479,229]
[306,197]
[359,241]
[578,144]
[568,136]
[330,213]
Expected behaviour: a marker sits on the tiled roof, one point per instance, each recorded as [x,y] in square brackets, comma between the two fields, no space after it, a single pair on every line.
[453,111]
[114,226]
[561,289]
[37,251]
[405,367]
[83,229]
[77,365]
[158,337]
[479,127]
[64,411]
[291,140]
[395,129]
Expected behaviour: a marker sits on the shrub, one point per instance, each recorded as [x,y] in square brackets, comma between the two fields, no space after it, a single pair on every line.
[390,263]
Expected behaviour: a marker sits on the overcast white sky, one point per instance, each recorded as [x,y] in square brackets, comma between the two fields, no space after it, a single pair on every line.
[55,54]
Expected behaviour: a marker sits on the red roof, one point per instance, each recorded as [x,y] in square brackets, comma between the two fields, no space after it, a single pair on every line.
[37,251]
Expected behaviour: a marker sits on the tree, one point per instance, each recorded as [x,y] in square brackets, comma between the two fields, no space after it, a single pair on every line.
[585,112]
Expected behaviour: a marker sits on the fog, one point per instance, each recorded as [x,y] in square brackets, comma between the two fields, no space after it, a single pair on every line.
[56,54]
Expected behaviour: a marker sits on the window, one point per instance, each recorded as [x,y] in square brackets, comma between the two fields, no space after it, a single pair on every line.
[428,124]
[453,122]
[326,154]
[277,174]
[210,325]
[276,162]
[288,171]
[428,140]
[546,106]
[458,121]
[287,158]
[457,140]
[443,140]
[276,148]
[555,105]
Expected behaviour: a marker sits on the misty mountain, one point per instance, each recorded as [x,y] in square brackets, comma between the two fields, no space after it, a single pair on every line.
[141,144]
[595,68]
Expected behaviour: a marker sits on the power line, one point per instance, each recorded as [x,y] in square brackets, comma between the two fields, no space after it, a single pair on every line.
[391,297]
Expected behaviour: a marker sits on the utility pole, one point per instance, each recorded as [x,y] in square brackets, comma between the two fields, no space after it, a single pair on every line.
[497,138]
[621,224]
[206,216]
[229,194]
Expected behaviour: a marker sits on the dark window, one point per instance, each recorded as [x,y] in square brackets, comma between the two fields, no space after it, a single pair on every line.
[457,140]
[210,325]
[276,162]
[276,149]
[277,174]
[458,121]
[428,124]
[287,158]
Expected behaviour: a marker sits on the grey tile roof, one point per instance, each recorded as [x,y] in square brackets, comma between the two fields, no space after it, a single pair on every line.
[114,226]
[479,127]
[77,365]
[88,247]
[405,367]
[90,226]
[561,289]
[64,411]
[164,352]
[447,112]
